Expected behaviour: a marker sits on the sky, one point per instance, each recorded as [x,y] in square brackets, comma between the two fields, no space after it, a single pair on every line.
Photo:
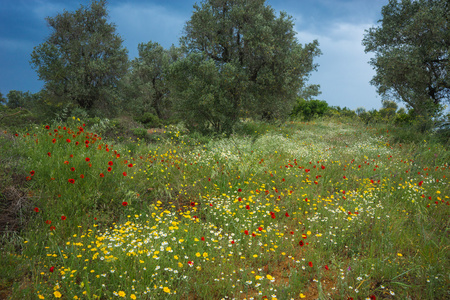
[339,25]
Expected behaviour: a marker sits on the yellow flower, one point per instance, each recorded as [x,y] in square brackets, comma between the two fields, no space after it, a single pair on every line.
[399,254]
[198,254]
[133,296]
[205,254]
[302,296]
[41,297]
[269,277]
[166,290]
[122,294]
[57,294]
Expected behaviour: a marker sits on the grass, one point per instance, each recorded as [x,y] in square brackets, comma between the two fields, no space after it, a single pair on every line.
[311,210]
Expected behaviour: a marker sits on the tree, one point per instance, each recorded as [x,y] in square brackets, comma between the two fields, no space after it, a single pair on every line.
[245,58]
[147,84]
[2,99]
[83,59]
[411,48]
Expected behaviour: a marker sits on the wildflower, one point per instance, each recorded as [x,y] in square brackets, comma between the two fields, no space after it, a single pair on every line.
[48,222]
[109,169]
[121,294]
[301,243]
[124,173]
[36,209]
[81,176]
[68,140]
[32,172]
[102,175]
[239,190]
[310,264]
[47,127]
[54,141]
[110,163]
[57,294]
[124,203]
[87,159]
[286,214]
[166,290]
[52,269]
[72,181]
[133,296]
[130,165]
[49,154]
[326,268]
[63,218]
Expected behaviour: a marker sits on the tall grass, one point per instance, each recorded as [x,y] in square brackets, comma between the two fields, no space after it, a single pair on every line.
[303,210]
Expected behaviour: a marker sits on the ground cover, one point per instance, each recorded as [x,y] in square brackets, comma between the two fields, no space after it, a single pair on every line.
[304,210]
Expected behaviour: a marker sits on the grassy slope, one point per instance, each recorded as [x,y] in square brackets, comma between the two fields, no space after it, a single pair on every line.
[315,210]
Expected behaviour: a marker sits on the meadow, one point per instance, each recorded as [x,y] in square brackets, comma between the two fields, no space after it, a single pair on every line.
[319,210]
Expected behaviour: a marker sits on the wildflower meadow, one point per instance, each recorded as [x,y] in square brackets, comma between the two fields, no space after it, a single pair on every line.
[317,210]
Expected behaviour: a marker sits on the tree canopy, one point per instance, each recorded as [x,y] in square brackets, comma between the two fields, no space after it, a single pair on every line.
[83,59]
[242,60]
[411,47]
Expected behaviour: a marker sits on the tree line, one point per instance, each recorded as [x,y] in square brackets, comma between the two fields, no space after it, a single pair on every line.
[235,60]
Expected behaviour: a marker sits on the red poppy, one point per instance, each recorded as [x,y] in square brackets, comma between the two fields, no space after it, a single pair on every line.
[291,232]
[72,169]
[286,214]
[28,178]
[48,222]
[81,176]
[36,209]
[130,165]
[246,232]
[420,183]
[86,142]
[66,162]
[192,204]
[310,264]
[87,159]
[109,169]
[54,141]
[253,234]
[326,268]
[32,172]
[63,218]
[239,190]
[52,269]
[102,175]
[68,140]
[301,243]
[72,181]
[110,163]
[77,143]
[323,167]
[232,242]
[47,127]
[272,215]
[71,155]
[124,203]
[203,238]
[52,227]
[373,297]
[247,206]
[124,173]
[260,228]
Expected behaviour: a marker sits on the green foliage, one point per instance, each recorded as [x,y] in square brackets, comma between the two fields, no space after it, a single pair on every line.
[82,60]
[2,99]
[243,61]
[149,120]
[309,109]
[146,85]
[140,132]
[411,49]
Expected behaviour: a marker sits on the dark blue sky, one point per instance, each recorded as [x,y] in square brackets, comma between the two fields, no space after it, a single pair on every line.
[338,25]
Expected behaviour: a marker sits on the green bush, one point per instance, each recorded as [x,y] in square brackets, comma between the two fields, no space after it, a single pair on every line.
[149,120]
[140,132]
[309,109]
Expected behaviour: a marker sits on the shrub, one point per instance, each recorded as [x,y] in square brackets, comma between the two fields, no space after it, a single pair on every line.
[140,132]
[149,120]
[309,109]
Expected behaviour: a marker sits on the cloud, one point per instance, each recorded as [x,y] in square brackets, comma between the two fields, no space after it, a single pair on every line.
[15,45]
[147,22]
[344,72]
